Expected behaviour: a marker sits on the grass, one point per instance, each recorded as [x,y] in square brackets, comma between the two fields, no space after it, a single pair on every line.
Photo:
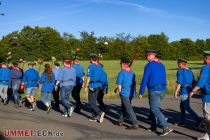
[112,67]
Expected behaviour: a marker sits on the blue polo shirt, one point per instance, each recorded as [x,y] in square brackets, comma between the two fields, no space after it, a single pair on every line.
[4,76]
[185,78]
[56,72]
[31,78]
[104,81]
[95,75]
[204,82]
[79,73]
[67,77]
[127,81]
[16,76]
[154,77]
[47,84]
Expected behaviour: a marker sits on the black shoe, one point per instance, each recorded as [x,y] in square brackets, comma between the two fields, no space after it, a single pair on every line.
[166,131]
[119,123]
[199,124]
[180,124]
[152,129]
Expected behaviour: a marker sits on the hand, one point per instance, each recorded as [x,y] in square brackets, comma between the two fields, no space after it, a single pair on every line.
[83,85]
[105,91]
[175,95]
[191,94]
[139,96]
[115,90]
[56,88]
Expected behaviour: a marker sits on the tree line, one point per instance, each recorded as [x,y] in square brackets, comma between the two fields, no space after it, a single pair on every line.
[44,42]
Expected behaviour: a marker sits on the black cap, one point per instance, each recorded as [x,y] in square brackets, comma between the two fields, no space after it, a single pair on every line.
[150,51]
[182,60]
[15,63]
[93,55]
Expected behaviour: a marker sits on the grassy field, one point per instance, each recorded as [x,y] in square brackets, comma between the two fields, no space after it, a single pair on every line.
[112,68]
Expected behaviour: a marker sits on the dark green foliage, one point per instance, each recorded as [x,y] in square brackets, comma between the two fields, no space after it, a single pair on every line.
[45,42]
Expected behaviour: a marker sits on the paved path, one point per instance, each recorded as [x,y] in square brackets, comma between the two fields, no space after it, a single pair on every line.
[79,128]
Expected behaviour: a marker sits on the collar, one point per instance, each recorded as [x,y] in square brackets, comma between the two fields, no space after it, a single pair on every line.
[126,68]
[68,67]
[156,60]
[184,67]
[95,63]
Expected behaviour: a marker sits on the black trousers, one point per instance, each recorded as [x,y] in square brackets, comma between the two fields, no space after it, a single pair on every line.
[76,95]
[100,97]
[56,97]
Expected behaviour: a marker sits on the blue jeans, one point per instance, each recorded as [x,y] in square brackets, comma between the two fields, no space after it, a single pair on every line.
[65,94]
[30,91]
[15,88]
[154,101]
[126,107]
[92,98]
[46,98]
[185,106]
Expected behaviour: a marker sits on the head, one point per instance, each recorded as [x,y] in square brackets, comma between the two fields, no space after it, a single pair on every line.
[15,64]
[67,62]
[30,64]
[182,62]
[94,58]
[48,70]
[151,54]
[56,64]
[76,60]
[3,65]
[124,61]
[206,58]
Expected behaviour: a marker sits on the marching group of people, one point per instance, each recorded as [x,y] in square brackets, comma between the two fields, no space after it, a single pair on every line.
[68,80]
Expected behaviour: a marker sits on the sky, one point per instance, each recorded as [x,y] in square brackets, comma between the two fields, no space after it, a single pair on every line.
[176,18]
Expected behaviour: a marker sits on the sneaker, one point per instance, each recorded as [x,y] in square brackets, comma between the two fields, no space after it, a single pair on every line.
[5,101]
[204,137]
[133,127]
[48,109]
[30,108]
[166,131]
[102,117]
[33,106]
[119,123]
[92,119]
[65,115]
[70,112]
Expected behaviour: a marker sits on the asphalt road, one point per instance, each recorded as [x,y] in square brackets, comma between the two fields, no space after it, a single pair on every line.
[79,128]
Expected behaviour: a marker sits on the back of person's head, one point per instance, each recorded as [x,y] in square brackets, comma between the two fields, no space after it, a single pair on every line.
[48,70]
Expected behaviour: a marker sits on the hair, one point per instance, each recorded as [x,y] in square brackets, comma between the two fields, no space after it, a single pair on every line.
[48,70]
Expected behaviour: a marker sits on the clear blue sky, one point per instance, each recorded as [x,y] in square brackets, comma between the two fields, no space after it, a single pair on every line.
[177,18]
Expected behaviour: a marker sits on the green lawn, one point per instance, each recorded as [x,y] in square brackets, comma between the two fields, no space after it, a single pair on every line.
[112,68]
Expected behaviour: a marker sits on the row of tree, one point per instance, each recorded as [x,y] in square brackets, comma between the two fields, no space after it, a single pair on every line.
[45,42]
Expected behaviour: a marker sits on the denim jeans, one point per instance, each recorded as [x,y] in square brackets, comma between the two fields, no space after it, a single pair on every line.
[46,98]
[100,97]
[185,106]
[126,107]
[92,98]
[65,94]
[3,91]
[154,101]
[30,91]
[15,88]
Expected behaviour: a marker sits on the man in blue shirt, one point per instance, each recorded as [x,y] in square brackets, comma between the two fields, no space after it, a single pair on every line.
[31,79]
[204,84]
[79,82]
[4,81]
[102,91]
[15,81]
[55,94]
[94,84]
[67,80]
[126,85]
[185,79]
[154,78]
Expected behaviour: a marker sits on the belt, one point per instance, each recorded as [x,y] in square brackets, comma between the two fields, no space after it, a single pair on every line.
[4,80]
[187,85]
[47,81]
[95,81]
[63,81]
[32,81]
[158,86]
[207,93]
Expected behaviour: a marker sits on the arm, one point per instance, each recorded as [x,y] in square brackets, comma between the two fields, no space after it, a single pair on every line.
[145,79]
[179,82]
[178,86]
